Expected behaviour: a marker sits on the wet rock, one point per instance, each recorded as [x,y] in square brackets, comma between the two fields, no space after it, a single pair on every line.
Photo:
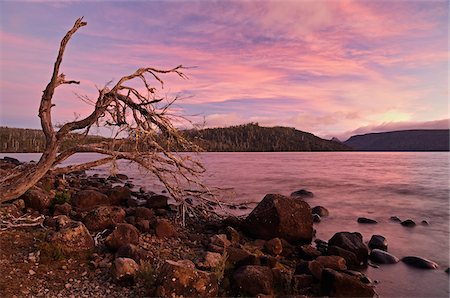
[123,234]
[253,280]
[424,223]
[274,246]
[37,199]
[419,262]
[382,257]
[321,211]
[332,262]
[378,241]
[352,242]
[88,199]
[165,229]
[335,284]
[301,283]
[316,218]
[124,270]
[71,236]
[308,252]
[62,209]
[280,216]
[302,193]
[104,217]
[157,201]
[119,195]
[395,218]
[182,279]
[365,220]
[408,223]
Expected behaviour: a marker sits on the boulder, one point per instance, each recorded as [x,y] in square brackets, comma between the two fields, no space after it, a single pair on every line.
[71,236]
[144,213]
[165,229]
[104,217]
[143,225]
[62,209]
[408,223]
[349,257]
[122,235]
[233,235]
[335,284]
[182,279]
[211,261]
[302,193]
[315,268]
[220,240]
[320,210]
[332,262]
[274,246]
[86,200]
[282,217]
[378,242]
[131,251]
[253,280]
[124,270]
[382,257]
[157,202]
[240,257]
[352,242]
[118,195]
[420,262]
[308,252]
[301,283]
[37,199]
[365,220]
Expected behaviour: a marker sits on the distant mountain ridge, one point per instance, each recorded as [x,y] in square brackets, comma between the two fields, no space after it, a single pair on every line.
[403,140]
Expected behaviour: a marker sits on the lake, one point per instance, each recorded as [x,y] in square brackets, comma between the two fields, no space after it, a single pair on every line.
[377,185]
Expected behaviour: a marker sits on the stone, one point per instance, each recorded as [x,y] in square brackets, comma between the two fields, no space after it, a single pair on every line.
[165,229]
[124,270]
[378,242]
[131,251]
[157,202]
[71,236]
[365,220]
[86,200]
[269,261]
[352,242]
[119,195]
[301,282]
[316,269]
[408,223]
[232,235]
[308,252]
[302,193]
[240,257]
[104,217]
[211,260]
[424,223]
[37,199]
[335,284]
[332,262]
[419,262]
[349,257]
[62,209]
[282,217]
[144,213]
[382,257]
[321,211]
[182,279]
[253,280]
[395,218]
[220,240]
[274,246]
[143,225]
[316,218]
[123,234]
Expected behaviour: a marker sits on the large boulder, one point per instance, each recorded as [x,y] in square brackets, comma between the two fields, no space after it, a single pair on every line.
[86,200]
[37,199]
[104,217]
[378,242]
[123,234]
[182,279]
[253,280]
[352,242]
[71,236]
[335,284]
[282,217]
[119,195]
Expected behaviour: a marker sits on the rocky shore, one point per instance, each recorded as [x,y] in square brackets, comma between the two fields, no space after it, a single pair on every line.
[90,236]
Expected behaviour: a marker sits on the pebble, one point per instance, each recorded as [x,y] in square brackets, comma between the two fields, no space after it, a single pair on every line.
[67,286]
[64,267]
[31,272]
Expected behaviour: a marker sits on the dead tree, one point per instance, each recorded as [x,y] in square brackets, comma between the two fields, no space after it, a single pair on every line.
[139,115]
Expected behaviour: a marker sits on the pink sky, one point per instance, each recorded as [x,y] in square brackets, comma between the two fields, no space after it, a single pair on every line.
[333,68]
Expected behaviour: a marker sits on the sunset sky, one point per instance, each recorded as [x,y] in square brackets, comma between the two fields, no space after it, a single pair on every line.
[333,68]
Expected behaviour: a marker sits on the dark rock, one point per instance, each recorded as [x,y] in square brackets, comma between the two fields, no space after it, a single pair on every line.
[122,177]
[274,246]
[180,278]
[447,270]
[211,261]
[335,284]
[419,262]
[395,218]
[161,212]
[232,235]
[124,270]
[62,209]
[321,211]
[308,252]
[350,258]
[119,195]
[131,220]
[408,223]
[352,242]
[382,257]
[88,199]
[12,160]
[253,280]
[240,257]
[157,201]
[37,199]
[365,220]
[300,283]
[316,269]
[268,261]
[316,218]
[71,236]
[425,223]
[288,249]
[302,267]
[302,193]
[144,213]
[280,216]
[332,262]
[131,251]
[165,229]
[143,225]
[104,217]
[234,222]
[378,241]
[220,240]
[123,234]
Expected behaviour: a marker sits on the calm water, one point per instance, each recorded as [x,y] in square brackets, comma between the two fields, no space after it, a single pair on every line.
[349,185]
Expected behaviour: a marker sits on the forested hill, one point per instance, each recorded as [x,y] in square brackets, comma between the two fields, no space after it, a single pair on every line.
[249,137]
[405,140]
[252,137]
